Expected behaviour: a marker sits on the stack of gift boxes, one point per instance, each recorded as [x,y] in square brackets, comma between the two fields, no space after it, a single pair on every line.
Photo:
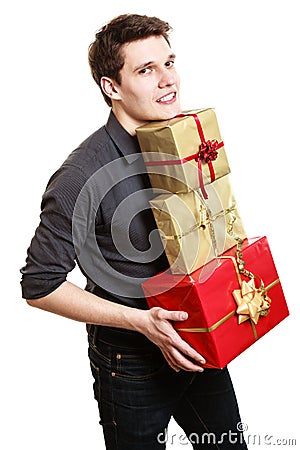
[226,282]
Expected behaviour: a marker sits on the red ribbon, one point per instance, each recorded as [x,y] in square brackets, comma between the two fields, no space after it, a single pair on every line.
[208,152]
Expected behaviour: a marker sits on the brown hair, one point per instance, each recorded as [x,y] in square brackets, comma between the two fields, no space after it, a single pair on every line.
[105,53]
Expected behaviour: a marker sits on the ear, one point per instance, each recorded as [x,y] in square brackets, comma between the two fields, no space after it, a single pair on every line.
[110,88]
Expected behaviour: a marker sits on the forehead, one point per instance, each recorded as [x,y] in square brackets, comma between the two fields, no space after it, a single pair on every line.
[150,49]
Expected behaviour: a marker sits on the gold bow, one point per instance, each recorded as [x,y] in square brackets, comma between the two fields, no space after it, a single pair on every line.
[252,302]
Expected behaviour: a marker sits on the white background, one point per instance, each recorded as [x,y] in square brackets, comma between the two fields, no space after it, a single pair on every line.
[240,57]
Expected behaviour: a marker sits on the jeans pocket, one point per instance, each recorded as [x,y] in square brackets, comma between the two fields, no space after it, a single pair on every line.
[126,362]
[138,365]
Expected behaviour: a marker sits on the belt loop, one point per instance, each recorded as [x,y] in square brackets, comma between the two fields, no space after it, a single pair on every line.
[92,332]
[95,334]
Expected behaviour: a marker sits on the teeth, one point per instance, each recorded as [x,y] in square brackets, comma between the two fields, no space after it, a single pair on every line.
[167,98]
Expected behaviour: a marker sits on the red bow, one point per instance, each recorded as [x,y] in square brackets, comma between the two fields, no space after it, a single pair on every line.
[208,151]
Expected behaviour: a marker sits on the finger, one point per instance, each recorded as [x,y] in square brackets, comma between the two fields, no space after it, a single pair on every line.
[170,361]
[193,354]
[173,337]
[181,361]
[175,316]
[186,349]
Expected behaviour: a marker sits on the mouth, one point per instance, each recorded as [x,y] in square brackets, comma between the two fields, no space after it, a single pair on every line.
[168,98]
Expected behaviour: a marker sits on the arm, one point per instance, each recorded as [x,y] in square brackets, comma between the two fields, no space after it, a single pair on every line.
[75,303]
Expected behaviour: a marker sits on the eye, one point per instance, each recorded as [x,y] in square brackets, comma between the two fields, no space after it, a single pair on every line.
[170,63]
[145,70]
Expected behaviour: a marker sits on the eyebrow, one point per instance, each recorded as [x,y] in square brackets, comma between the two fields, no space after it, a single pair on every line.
[149,63]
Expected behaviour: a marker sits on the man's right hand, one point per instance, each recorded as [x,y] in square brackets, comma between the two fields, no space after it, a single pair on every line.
[157,327]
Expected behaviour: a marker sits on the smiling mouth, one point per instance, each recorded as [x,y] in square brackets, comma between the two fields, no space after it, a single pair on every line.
[169,98]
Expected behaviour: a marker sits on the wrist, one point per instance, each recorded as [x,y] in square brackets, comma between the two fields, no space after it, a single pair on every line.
[137,320]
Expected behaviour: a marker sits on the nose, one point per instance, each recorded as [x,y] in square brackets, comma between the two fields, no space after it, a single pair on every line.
[167,78]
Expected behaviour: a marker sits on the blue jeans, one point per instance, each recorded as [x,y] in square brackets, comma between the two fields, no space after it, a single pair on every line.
[138,393]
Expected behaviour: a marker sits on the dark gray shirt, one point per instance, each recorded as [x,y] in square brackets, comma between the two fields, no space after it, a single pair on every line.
[95,211]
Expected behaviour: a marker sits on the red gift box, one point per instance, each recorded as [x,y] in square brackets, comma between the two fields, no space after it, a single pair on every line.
[227,312]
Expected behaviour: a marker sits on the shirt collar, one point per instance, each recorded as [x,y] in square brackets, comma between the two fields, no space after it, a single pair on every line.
[128,145]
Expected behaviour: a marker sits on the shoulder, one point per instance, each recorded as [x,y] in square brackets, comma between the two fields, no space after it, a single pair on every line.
[93,153]
[86,159]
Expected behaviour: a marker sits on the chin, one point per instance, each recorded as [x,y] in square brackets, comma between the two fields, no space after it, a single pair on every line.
[168,113]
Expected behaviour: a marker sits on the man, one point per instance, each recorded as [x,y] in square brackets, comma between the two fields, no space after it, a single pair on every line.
[96,211]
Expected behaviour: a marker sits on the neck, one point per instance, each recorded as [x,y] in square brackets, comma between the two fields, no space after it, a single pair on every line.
[128,123]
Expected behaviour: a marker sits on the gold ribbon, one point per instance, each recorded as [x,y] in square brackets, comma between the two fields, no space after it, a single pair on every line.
[252,302]
[205,219]
[262,309]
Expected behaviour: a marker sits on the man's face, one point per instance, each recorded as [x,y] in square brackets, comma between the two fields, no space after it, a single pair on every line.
[149,88]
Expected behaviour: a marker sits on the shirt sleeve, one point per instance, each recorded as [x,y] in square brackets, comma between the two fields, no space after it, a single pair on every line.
[51,255]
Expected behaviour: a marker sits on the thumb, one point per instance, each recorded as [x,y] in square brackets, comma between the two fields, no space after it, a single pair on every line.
[176,316]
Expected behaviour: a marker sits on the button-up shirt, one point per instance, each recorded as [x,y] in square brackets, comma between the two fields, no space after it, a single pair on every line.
[96,212]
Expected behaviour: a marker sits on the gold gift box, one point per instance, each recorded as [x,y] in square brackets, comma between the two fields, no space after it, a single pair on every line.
[171,148]
[195,231]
